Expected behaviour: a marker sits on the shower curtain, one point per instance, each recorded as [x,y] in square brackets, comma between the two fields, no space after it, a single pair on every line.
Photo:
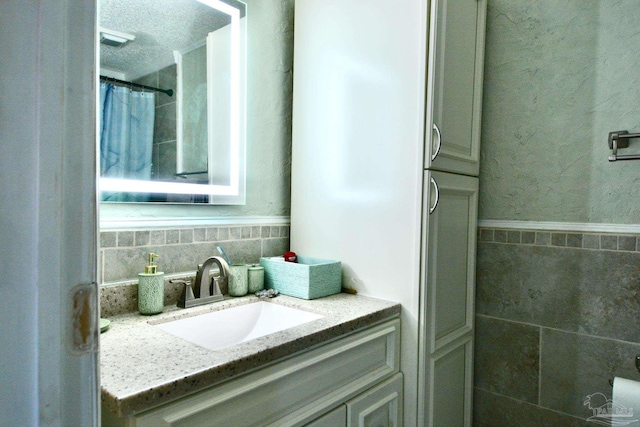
[126,137]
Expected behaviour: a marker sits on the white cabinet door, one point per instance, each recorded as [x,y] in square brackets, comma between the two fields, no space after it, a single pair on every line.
[335,418]
[447,313]
[380,406]
[454,85]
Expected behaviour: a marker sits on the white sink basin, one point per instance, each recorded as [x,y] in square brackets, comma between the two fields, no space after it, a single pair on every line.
[224,328]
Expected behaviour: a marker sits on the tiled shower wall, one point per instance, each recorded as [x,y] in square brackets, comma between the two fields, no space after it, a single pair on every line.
[557,317]
[164,129]
[123,254]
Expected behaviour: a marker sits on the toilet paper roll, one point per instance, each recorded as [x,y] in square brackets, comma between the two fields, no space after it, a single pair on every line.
[626,396]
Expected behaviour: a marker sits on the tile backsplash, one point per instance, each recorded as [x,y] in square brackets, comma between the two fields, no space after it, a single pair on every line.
[123,254]
[598,241]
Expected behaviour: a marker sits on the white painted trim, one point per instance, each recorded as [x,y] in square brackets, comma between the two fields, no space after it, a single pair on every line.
[177,58]
[183,222]
[584,227]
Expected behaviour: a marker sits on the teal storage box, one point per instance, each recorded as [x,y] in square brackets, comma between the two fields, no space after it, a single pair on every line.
[309,278]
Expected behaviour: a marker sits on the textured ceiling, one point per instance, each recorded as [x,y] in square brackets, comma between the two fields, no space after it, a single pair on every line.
[160,27]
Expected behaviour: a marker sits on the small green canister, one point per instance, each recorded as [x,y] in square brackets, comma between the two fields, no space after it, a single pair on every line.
[256,278]
[238,280]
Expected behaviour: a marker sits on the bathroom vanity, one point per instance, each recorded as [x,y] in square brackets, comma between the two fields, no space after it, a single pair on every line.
[339,370]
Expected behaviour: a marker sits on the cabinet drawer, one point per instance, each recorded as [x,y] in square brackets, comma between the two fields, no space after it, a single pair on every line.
[297,389]
[380,406]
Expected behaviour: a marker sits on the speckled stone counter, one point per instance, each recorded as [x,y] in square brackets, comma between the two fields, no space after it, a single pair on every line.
[143,366]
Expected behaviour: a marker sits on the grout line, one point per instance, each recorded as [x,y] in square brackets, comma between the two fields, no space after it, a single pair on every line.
[550,246]
[540,366]
[523,402]
[551,328]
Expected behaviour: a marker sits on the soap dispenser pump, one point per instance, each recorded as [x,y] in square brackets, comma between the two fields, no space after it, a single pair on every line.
[151,288]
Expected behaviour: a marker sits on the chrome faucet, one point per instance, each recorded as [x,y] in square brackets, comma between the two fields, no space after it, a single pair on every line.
[206,288]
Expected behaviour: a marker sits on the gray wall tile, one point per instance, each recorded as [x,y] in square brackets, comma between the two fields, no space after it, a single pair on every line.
[574,240]
[627,243]
[235,233]
[157,237]
[528,237]
[125,263]
[486,235]
[583,297]
[543,238]
[142,238]
[513,236]
[108,239]
[494,410]
[125,238]
[172,237]
[274,231]
[591,241]
[199,234]
[609,242]
[167,79]
[212,234]
[275,247]
[223,234]
[181,249]
[245,251]
[186,236]
[507,358]
[575,366]
[165,123]
[559,239]
[594,292]
[167,155]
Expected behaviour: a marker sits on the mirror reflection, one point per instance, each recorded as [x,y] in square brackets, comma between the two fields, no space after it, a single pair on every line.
[171,105]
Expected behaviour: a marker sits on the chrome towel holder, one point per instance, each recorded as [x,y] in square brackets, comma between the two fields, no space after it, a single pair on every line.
[620,139]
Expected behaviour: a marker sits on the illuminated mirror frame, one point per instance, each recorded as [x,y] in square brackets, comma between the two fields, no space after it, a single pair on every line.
[234,193]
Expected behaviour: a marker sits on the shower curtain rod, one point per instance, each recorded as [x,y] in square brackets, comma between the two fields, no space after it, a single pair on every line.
[167,91]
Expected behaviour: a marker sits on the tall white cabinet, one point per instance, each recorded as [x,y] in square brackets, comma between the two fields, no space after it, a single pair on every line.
[447,301]
[386,131]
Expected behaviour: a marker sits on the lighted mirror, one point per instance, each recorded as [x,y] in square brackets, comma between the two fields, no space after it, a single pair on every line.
[172,101]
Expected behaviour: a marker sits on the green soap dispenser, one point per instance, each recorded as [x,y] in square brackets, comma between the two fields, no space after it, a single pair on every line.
[151,288]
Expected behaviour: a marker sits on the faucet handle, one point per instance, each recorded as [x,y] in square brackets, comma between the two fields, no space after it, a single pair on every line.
[220,285]
[187,292]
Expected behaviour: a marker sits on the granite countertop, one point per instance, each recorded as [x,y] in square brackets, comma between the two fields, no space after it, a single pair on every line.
[142,366]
